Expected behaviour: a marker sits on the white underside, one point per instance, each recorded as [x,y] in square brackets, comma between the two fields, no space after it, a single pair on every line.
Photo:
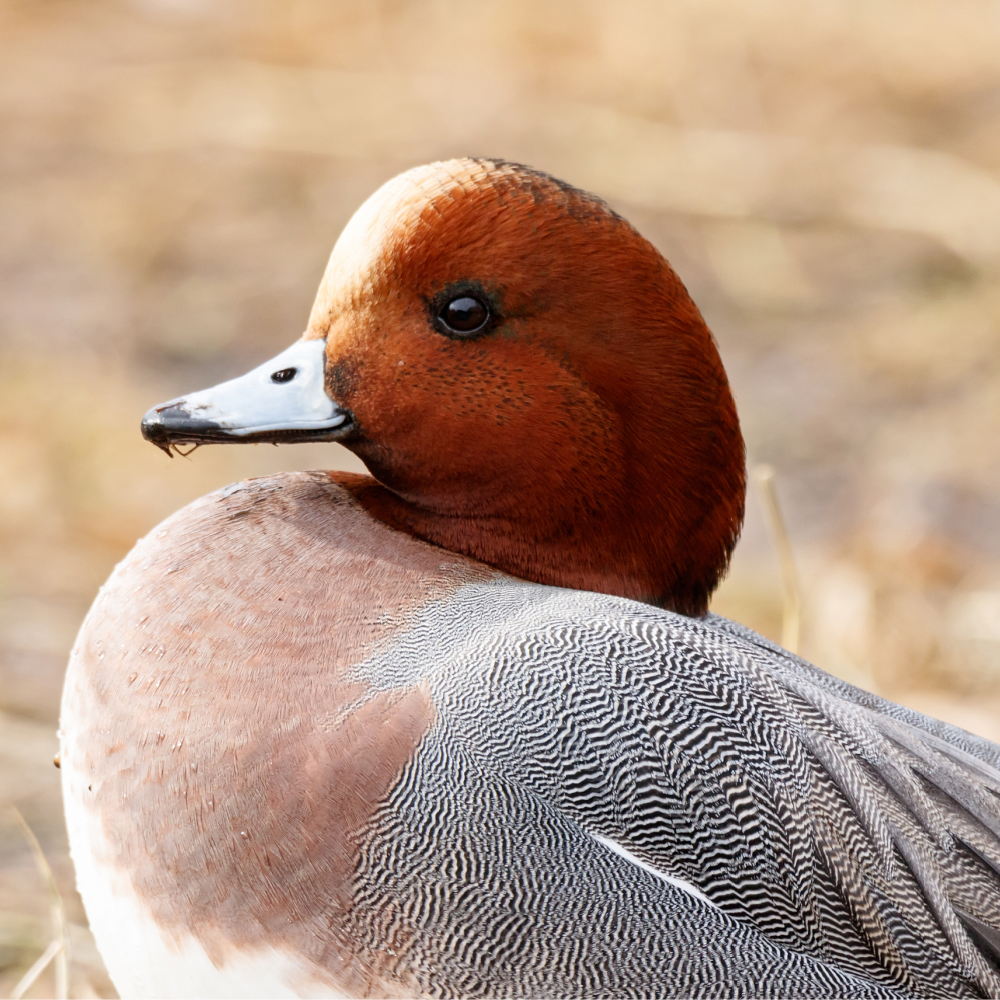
[140,960]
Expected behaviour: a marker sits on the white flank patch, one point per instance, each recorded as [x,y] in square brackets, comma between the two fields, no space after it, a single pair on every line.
[140,960]
[677,883]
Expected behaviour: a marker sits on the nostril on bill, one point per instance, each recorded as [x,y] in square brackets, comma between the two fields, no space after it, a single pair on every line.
[284,375]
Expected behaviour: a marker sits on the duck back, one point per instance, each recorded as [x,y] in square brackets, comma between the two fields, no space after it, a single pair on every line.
[307,754]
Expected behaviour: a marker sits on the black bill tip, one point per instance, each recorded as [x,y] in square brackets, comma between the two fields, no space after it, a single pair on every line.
[171,425]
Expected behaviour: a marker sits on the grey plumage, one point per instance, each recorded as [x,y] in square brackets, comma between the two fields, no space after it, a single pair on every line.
[849,845]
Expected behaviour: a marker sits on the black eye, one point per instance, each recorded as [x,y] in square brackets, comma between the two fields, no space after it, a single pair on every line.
[465,315]
[285,375]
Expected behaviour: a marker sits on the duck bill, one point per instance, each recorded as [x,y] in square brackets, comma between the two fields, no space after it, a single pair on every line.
[282,400]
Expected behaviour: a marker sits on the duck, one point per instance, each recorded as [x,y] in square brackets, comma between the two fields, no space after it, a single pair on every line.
[465,726]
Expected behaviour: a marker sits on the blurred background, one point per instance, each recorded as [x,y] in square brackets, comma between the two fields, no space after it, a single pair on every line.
[823,174]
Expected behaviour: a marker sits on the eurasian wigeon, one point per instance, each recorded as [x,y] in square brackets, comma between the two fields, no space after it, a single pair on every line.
[465,727]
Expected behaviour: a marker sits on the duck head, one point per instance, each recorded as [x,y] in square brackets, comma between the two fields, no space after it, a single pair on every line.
[525,377]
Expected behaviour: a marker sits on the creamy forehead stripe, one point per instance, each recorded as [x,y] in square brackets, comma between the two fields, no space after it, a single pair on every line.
[392,209]
[677,883]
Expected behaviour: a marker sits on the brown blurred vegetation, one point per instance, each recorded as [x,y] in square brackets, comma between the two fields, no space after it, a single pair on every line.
[824,175]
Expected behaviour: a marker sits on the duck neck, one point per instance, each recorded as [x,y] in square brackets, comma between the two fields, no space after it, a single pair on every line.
[609,556]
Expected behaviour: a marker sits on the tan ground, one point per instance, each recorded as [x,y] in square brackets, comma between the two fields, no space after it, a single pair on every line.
[824,175]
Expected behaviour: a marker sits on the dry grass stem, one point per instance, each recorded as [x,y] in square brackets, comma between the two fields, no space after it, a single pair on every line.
[763,476]
[28,979]
[58,949]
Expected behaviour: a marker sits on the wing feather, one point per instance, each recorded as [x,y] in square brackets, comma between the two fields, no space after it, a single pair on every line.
[920,787]
[837,827]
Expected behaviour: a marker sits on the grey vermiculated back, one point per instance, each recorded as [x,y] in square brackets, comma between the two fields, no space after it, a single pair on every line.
[847,844]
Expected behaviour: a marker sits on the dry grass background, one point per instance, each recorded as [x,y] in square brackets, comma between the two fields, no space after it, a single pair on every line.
[824,174]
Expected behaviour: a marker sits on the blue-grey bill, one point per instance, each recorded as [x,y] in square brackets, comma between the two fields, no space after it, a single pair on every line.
[283,399]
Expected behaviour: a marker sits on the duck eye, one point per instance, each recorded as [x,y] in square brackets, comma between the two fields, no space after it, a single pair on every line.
[464,315]
[284,375]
